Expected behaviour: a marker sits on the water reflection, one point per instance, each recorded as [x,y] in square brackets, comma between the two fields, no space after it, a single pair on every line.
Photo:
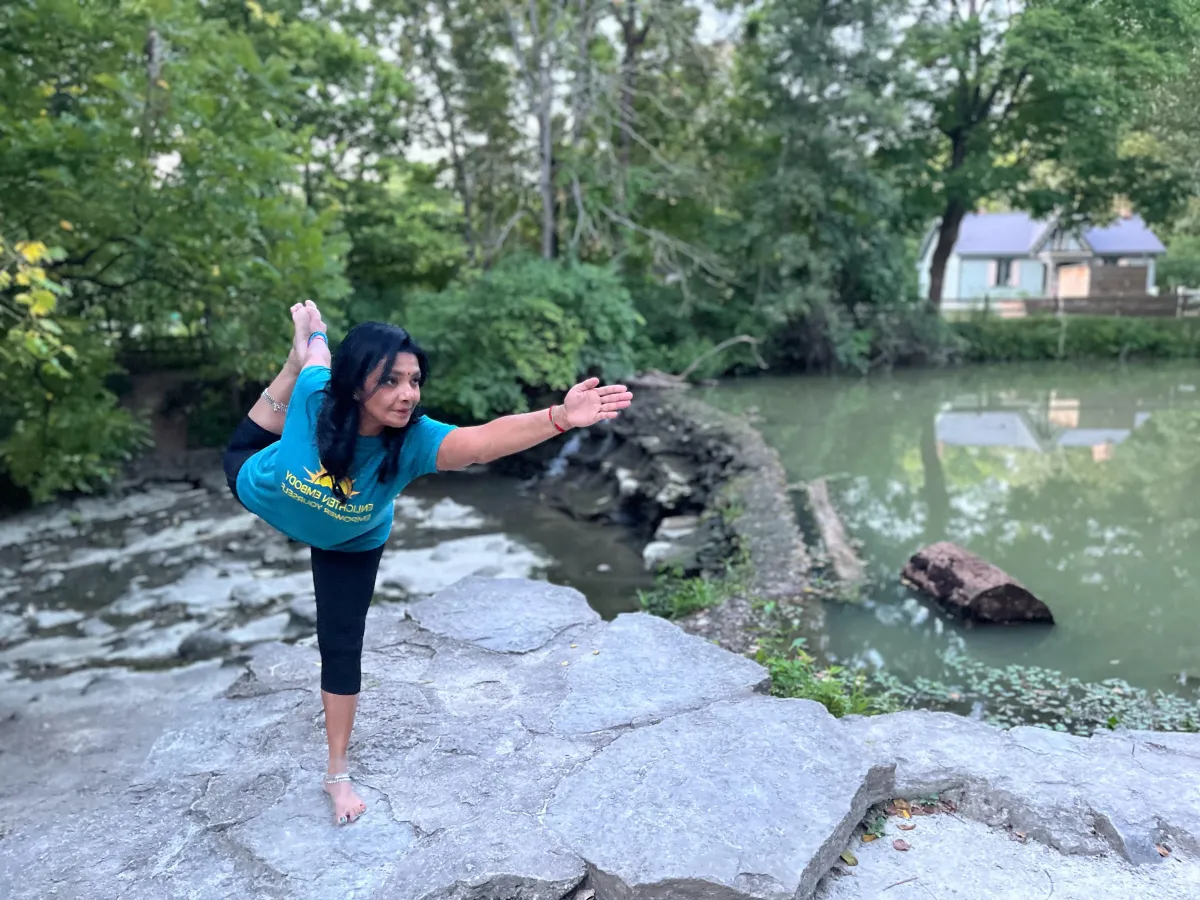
[1080,483]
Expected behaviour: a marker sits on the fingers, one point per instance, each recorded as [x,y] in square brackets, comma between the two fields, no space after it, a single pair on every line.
[588,385]
[608,389]
[620,395]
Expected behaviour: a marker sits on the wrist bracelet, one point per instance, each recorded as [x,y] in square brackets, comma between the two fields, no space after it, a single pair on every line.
[318,334]
[550,415]
[275,405]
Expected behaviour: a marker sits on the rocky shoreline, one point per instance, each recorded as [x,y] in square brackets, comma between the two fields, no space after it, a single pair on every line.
[512,745]
[702,488]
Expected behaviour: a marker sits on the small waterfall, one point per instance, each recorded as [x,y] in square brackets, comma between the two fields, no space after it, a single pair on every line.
[557,467]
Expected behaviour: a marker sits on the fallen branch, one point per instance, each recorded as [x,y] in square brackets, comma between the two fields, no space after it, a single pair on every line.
[655,378]
[847,566]
[725,345]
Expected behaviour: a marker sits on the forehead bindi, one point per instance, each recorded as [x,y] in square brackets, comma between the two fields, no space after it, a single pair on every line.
[406,367]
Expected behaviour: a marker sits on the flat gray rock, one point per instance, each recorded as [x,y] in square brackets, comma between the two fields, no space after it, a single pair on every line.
[644,669]
[510,745]
[1123,792]
[753,799]
[272,628]
[504,615]
[953,858]
[502,855]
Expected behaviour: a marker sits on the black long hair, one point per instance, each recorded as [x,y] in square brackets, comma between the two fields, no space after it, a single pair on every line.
[363,349]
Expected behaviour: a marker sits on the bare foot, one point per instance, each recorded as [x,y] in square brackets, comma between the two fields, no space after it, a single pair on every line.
[315,322]
[347,805]
[303,328]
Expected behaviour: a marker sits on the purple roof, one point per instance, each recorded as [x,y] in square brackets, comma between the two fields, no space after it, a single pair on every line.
[998,234]
[1016,234]
[1124,236]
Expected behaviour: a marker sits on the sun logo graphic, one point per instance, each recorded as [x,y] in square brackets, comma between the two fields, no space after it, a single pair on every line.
[321,478]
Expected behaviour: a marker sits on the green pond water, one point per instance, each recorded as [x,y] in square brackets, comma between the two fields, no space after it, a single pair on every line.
[1082,483]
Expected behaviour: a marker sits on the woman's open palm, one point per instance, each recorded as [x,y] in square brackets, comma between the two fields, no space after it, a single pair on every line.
[589,402]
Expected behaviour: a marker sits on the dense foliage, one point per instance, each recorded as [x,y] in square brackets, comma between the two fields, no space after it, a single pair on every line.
[537,190]
[1041,338]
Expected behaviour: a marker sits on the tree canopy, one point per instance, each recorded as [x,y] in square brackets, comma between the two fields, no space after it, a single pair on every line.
[538,190]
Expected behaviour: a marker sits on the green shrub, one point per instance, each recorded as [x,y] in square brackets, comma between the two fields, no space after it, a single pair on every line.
[522,328]
[64,431]
[988,339]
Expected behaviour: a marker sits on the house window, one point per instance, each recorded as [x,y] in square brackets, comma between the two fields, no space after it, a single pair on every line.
[1003,277]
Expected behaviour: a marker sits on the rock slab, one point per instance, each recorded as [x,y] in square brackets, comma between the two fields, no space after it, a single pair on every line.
[508,616]
[653,768]
[743,799]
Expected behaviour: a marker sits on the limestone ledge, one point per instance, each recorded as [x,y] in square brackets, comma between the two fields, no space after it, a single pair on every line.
[511,745]
[696,483]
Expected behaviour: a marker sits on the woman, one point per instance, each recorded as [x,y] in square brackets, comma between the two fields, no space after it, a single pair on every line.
[324,452]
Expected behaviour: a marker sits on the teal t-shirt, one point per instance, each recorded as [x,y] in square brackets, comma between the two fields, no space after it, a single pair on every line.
[286,485]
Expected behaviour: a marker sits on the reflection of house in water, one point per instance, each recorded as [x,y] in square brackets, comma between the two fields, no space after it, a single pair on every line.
[1045,421]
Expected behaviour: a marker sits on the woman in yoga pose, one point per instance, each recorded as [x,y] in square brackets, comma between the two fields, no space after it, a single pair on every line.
[324,452]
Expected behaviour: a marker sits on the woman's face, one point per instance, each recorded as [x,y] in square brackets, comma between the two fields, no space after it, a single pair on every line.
[391,397]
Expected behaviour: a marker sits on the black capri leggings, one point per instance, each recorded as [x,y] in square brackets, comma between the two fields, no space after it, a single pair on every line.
[344,582]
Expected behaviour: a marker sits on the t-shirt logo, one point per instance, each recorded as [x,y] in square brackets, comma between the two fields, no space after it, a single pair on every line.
[321,478]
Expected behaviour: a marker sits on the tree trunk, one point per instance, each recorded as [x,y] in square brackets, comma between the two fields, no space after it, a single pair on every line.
[634,38]
[461,180]
[947,237]
[546,181]
[972,587]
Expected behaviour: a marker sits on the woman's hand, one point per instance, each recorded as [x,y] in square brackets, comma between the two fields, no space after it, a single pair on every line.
[589,402]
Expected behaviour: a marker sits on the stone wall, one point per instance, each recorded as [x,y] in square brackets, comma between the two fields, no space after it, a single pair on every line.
[699,486]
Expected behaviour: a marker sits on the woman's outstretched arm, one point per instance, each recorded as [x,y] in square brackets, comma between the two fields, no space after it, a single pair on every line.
[585,404]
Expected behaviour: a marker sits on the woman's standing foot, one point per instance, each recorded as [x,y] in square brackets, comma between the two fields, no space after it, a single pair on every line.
[347,805]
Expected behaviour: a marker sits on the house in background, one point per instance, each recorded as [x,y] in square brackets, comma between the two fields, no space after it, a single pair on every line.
[1009,255]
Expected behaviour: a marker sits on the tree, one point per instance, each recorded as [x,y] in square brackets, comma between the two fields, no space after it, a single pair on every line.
[463,111]
[146,138]
[1030,102]
[154,132]
[814,223]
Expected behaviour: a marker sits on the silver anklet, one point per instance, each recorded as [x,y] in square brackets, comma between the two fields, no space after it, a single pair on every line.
[273,403]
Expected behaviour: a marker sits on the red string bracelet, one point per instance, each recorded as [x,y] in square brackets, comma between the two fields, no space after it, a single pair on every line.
[550,415]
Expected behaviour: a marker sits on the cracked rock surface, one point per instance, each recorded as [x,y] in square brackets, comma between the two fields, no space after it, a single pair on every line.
[511,746]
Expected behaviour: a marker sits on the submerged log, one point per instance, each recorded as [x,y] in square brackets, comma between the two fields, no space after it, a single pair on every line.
[972,587]
[848,568]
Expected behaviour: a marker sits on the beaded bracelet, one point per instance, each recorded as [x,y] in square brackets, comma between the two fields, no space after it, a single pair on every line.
[318,334]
